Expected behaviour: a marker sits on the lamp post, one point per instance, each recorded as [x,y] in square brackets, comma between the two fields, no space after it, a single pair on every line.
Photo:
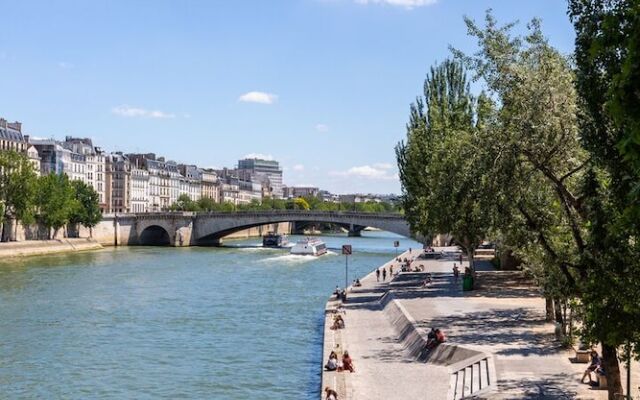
[346,250]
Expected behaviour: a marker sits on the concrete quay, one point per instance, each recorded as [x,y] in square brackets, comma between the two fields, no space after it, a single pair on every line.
[499,345]
[45,247]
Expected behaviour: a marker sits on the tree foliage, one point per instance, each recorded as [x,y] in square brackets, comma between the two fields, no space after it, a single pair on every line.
[86,210]
[17,188]
[443,190]
[55,200]
[557,162]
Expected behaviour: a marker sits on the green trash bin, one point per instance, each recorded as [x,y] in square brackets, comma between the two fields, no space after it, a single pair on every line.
[467,282]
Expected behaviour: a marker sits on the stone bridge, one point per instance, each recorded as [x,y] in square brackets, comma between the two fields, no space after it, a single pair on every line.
[189,229]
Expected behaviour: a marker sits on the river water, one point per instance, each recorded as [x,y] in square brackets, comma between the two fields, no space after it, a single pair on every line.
[238,322]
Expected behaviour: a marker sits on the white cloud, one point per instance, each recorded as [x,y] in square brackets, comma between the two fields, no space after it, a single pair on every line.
[322,128]
[258,97]
[135,112]
[374,172]
[298,167]
[409,4]
[383,166]
[65,65]
[259,156]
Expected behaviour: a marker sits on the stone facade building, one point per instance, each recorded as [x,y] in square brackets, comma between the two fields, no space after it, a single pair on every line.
[140,191]
[118,183]
[11,137]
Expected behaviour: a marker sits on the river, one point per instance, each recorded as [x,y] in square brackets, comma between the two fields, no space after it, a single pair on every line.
[239,322]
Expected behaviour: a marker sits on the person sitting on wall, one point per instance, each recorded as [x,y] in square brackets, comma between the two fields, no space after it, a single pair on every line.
[357,283]
[434,338]
[330,394]
[332,364]
[343,296]
[347,362]
[338,322]
[593,366]
[426,281]
[440,337]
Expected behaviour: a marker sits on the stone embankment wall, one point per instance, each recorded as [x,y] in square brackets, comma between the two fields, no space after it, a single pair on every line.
[44,247]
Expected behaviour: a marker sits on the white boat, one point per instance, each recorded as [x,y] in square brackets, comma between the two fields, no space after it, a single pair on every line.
[309,247]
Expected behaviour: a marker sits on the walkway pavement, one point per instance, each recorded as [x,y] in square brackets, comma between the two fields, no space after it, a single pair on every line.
[503,317]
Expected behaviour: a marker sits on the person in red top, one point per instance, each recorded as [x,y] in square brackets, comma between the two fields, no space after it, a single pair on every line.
[440,338]
[347,362]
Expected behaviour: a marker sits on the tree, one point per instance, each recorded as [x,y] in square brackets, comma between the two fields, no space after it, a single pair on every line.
[184,203]
[17,190]
[206,204]
[55,201]
[443,191]
[607,55]
[86,209]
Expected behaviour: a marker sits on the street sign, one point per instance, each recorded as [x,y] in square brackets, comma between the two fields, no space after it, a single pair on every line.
[396,243]
[346,249]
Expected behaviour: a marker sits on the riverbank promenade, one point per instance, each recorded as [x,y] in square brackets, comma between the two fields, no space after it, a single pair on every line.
[498,346]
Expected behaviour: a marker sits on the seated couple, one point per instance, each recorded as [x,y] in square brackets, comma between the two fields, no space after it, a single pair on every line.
[334,365]
[338,322]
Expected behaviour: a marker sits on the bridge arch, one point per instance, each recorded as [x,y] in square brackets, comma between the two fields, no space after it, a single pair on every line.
[154,235]
[210,228]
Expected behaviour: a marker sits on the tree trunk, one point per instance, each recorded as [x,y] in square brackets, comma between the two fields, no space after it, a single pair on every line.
[472,263]
[549,309]
[612,370]
[559,320]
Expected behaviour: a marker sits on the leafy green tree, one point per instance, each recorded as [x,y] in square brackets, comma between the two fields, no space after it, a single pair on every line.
[17,190]
[86,209]
[206,204]
[55,201]
[443,190]
[608,78]
[184,203]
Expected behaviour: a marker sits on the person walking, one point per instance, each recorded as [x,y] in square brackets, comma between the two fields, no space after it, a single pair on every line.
[378,274]
[384,274]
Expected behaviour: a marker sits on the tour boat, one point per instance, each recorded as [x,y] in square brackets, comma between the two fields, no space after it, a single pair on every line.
[309,247]
[272,239]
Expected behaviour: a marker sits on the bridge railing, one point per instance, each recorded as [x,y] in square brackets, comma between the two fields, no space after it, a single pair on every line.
[253,213]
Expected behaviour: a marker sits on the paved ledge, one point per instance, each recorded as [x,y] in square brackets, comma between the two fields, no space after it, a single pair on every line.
[44,247]
[498,344]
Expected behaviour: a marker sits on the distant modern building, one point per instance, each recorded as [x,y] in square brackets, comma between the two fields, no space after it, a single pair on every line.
[266,172]
[327,196]
[291,192]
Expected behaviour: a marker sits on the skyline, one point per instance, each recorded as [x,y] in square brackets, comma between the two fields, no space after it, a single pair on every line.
[195,86]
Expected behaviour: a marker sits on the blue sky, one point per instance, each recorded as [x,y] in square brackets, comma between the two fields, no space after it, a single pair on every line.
[323,86]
